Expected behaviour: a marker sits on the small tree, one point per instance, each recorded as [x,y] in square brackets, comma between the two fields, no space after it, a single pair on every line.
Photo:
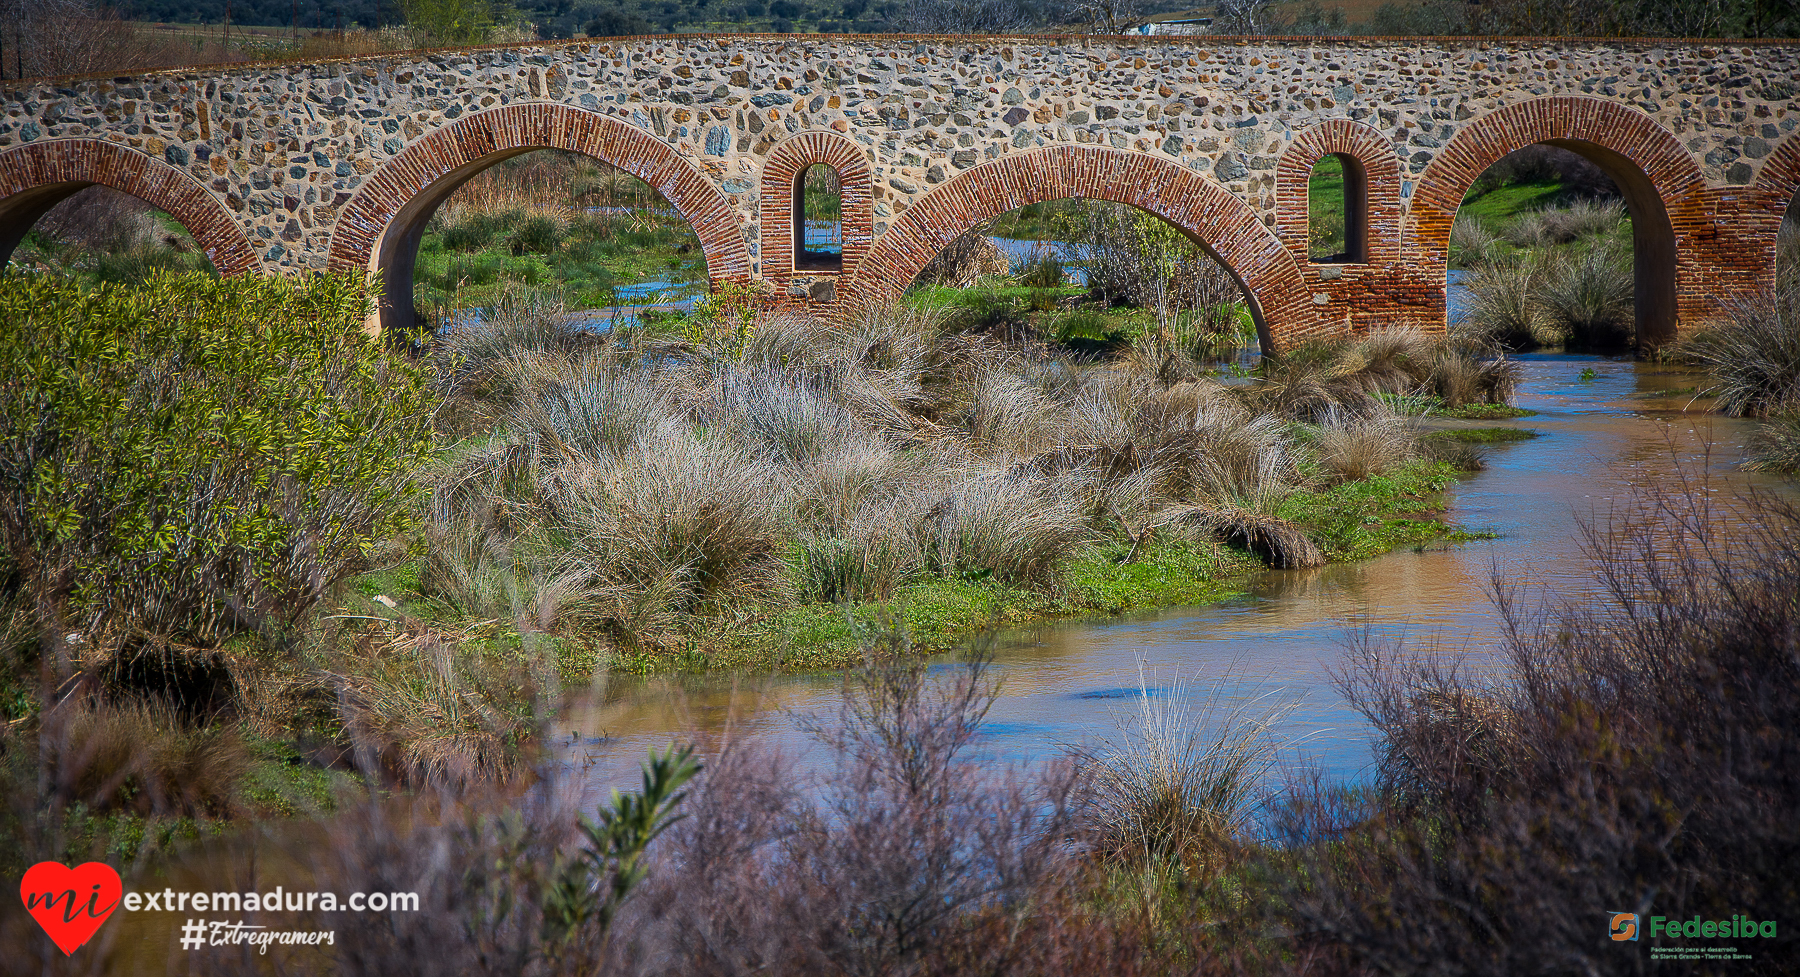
[450,23]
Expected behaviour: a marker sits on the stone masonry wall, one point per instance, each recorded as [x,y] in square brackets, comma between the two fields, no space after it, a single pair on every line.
[311,163]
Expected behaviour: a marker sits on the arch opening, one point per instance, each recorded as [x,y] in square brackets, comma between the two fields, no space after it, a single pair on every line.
[1337,202]
[95,232]
[537,224]
[1094,277]
[381,228]
[818,219]
[1220,224]
[1564,243]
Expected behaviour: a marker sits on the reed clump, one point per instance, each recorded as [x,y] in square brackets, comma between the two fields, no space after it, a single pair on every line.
[1753,351]
[768,460]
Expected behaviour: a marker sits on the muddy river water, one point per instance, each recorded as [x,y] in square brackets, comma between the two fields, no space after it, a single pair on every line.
[1624,427]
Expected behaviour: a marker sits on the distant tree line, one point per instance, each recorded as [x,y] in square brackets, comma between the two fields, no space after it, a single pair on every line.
[46,37]
[308,14]
[1528,18]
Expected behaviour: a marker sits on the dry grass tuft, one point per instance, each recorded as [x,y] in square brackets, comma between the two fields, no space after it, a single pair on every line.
[1181,776]
[1353,446]
[1754,354]
[141,757]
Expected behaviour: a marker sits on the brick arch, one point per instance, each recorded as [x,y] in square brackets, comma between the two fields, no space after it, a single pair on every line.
[379,228]
[1206,212]
[1661,182]
[1377,211]
[1777,188]
[781,205]
[38,176]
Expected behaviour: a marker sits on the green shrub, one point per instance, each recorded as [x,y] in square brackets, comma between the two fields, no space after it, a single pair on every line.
[140,261]
[1045,272]
[468,273]
[539,234]
[472,233]
[196,457]
[1085,325]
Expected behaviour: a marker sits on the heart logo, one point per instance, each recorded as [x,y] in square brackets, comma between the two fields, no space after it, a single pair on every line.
[70,903]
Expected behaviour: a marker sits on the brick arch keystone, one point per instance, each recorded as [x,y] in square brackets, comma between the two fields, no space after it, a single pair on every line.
[37,176]
[379,227]
[1663,187]
[1215,219]
[1380,177]
[780,204]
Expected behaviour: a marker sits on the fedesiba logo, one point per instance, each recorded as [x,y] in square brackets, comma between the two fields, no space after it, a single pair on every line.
[1624,927]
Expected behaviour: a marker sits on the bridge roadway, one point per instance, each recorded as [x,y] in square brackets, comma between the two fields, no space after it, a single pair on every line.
[279,168]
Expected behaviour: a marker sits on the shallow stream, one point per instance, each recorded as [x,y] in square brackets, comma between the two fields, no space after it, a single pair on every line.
[1628,427]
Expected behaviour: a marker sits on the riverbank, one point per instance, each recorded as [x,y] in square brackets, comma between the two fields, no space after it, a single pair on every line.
[530,508]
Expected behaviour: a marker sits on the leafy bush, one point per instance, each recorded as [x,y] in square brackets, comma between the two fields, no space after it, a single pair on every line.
[195,457]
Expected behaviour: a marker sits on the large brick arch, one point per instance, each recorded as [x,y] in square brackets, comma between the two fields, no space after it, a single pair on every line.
[1662,184]
[379,228]
[780,203]
[1379,205]
[1214,218]
[37,176]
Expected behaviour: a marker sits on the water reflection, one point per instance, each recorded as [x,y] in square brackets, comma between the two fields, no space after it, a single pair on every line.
[1627,426]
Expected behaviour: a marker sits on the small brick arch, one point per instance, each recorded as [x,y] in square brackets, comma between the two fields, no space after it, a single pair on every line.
[1662,184]
[1380,214]
[779,204]
[1209,214]
[38,176]
[1776,189]
[379,228]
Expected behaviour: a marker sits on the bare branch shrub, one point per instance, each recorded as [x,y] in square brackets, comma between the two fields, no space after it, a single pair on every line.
[1638,754]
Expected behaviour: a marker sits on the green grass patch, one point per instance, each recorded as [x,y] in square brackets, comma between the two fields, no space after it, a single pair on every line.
[1499,206]
[1486,435]
[1352,521]
[1370,516]
[1484,412]
[584,260]
[1112,579]
[282,783]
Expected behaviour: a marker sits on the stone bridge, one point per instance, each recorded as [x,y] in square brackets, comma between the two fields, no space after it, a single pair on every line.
[281,168]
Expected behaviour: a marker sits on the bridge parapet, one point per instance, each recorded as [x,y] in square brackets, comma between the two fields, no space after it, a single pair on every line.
[305,166]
